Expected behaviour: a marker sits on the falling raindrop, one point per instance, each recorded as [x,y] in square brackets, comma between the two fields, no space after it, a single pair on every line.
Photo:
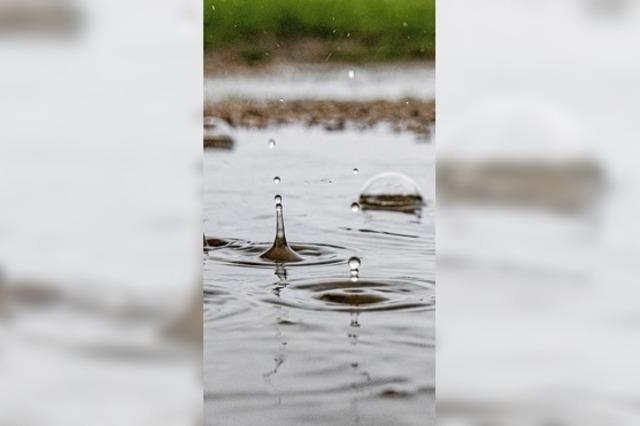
[352,74]
[355,171]
[272,143]
[355,207]
[278,199]
[276,180]
[354,263]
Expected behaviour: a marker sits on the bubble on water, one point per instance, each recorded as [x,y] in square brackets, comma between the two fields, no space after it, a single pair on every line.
[352,74]
[354,263]
[355,171]
[272,143]
[276,180]
[391,191]
[278,199]
[355,207]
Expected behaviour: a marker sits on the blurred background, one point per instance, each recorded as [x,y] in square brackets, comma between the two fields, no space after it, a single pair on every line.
[537,187]
[100,160]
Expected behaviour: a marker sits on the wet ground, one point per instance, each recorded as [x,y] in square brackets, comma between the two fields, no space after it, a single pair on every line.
[303,343]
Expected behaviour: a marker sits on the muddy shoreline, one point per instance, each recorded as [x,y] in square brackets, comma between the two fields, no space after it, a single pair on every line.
[408,114]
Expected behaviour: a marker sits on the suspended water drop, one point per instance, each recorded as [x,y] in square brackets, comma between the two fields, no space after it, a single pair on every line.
[352,74]
[276,180]
[355,207]
[354,263]
[391,191]
[272,143]
[278,199]
[404,24]
[355,171]
[281,100]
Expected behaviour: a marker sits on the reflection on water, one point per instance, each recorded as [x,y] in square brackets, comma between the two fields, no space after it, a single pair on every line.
[343,337]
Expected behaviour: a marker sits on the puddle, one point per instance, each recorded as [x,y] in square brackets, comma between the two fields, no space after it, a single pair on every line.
[323,340]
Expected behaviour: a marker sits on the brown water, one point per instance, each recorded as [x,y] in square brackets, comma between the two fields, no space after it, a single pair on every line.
[310,342]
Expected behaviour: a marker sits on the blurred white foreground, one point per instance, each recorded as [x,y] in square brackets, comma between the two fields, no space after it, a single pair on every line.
[537,242]
[100,223]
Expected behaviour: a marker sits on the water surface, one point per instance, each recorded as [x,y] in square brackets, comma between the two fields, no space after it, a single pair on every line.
[303,343]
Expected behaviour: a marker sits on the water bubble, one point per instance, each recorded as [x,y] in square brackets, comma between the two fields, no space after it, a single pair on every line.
[355,171]
[355,207]
[278,199]
[354,263]
[352,74]
[391,191]
[272,143]
[276,180]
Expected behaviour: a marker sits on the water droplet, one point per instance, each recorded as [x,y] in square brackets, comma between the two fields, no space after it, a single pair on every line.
[281,100]
[272,143]
[355,171]
[354,263]
[276,180]
[280,250]
[278,199]
[355,207]
[404,24]
[348,35]
[352,74]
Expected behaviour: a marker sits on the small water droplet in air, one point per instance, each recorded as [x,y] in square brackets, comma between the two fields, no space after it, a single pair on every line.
[276,180]
[348,35]
[352,74]
[281,100]
[355,207]
[272,143]
[213,7]
[404,24]
[354,263]
[278,199]
[355,171]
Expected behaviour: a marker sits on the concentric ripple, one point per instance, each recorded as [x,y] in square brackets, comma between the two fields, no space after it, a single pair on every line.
[247,253]
[346,295]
